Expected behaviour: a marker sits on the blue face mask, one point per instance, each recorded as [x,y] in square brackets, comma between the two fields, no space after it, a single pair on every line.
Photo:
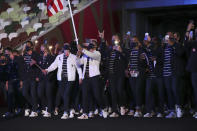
[41,52]
[90,46]
[2,61]
[133,44]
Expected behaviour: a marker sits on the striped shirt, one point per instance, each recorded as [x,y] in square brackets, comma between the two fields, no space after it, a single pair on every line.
[167,67]
[27,59]
[44,59]
[43,62]
[87,67]
[151,73]
[112,61]
[134,60]
[64,67]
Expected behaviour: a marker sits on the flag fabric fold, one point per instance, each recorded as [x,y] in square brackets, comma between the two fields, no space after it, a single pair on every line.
[54,6]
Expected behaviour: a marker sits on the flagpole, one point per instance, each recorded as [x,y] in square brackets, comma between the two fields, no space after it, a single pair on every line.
[73,22]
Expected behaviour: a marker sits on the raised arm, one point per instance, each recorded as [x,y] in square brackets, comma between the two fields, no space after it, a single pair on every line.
[94,55]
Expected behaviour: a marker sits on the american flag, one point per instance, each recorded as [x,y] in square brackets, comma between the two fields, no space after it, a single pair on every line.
[54,6]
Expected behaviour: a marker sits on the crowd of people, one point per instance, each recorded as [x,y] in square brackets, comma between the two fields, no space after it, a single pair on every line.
[152,78]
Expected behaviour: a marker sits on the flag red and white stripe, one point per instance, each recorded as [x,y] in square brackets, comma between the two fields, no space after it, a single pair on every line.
[54,6]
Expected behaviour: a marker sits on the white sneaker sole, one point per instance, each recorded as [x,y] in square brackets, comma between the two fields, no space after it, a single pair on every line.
[82,118]
[47,116]
[26,115]
[65,118]
[33,116]
[71,117]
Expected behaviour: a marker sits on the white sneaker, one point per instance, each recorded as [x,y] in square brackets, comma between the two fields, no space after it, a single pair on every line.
[122,111]
[76,113]
[114,115]
[72,113]
[131,113]
[126,110]
[43,112]
[105,113]
[171,115]
[179,112]
[192,112]
[83,117]
[55,112]
[96,112]
[27,111]
[148,115]
[138,114]
[159,115]
[33,114]
[91,114]
[47,114]
[81,111]
[195,114]
[65,116]
[109,110]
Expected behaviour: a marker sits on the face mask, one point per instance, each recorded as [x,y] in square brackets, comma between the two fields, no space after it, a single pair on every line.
[42,52]
[115,42]
[89,48]
[7,55]
[2,61]
[133,44]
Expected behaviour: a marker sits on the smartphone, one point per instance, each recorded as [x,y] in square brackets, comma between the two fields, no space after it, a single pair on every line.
[191,34]
[116,42]
[50,47]
[167,37]
[146,36]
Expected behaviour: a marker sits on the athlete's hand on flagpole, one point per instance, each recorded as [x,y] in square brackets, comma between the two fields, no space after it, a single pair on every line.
[76,40]
[79,48]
